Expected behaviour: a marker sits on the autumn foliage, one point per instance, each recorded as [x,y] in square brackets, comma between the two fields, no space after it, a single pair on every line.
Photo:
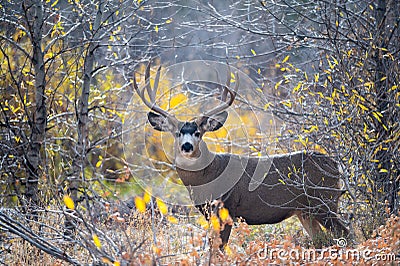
[322,76]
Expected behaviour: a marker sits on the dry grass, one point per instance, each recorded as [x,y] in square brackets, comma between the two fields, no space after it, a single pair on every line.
[143,239]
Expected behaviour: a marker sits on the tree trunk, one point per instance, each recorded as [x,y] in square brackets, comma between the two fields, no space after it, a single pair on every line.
[79,161]
[34,17]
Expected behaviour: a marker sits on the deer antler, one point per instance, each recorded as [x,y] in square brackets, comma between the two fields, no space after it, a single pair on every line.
[151,92]
[225,100]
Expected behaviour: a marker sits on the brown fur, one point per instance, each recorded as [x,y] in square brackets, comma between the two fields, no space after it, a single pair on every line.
[305,184]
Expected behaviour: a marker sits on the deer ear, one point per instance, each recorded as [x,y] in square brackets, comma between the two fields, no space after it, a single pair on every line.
[159,122]
[213,123]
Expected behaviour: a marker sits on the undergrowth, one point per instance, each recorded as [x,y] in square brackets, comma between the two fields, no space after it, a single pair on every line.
[149,238]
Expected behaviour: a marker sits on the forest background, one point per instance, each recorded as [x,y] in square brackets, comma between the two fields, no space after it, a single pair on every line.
[75,145]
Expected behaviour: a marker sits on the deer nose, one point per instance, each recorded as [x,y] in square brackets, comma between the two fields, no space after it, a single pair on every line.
[187,147]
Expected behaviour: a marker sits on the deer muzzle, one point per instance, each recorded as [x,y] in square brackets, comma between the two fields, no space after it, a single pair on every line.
[187,147]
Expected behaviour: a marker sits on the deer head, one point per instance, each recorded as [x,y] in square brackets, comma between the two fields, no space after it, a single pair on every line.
[187,134]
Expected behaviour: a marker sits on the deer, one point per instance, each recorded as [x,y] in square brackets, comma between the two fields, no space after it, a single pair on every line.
[259,190]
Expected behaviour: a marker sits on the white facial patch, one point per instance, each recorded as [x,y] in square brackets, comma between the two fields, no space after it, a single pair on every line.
[186,138]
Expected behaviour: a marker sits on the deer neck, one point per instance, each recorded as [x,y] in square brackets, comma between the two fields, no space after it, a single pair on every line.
[207,176]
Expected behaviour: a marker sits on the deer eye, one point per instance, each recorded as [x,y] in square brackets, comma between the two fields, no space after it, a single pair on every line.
[197,134]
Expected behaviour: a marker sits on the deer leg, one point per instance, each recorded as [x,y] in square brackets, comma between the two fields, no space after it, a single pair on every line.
[310,224]
[333,224]
[224,234]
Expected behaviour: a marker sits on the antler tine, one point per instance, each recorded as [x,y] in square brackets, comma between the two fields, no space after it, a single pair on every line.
[151,92]
[225,103]
[156,80]
[227,85]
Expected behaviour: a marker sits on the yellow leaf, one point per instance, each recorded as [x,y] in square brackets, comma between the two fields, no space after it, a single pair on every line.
[96,241]
[49,55]
[278,84]
[228,250]
[363,107]
[140,204]
[172,219]
[69,202]
[203,222]
[156,28]
[121,115]
[54,3]
[253,52]
[298,86]
[215,223]
[116,263]
[252,148]
[383,170]
[156,250]
[287,103]
[168,21]
[162,206]
[147,197]
[177,99]
[223,214]
[232,77]
[304,142]
[312,129]
[285,59]
[378,116]
[220,134]
[316,77]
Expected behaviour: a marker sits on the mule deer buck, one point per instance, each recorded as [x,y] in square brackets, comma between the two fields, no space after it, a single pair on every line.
[260,190]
